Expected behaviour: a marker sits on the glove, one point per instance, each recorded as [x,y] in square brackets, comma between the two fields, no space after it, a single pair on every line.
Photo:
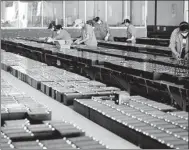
[177,55]
[106,38]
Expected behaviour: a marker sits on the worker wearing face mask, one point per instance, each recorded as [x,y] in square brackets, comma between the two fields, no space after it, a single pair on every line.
[63,37]
[179,41]
[87,34]
[131,31]
[101,30]
[51,27]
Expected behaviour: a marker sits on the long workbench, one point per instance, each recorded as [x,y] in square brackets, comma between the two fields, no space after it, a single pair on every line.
[143,122]
[138,72]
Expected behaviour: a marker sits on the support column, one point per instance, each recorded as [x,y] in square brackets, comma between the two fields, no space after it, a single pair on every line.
[186,11]
[155,20]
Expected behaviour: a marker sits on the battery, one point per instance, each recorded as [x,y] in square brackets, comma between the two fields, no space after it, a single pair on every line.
[80,138]
[176,130]
[80,108]
[25,143]
[16,122]
[92,147]
[59,146]
[70,132]
[86,143]
[20,136]
[39,115]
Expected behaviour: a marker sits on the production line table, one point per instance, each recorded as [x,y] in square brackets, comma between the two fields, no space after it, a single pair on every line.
[111,65]
[145,123]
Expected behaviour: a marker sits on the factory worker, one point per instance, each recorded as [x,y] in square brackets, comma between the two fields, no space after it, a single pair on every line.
[62,35]
[88,36]
[101,30]
[131,31]
[179,41]
[52,26]
[90,22]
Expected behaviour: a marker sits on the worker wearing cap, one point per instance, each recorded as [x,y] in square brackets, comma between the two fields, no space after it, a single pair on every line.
[62,35]
[131,31]
[101,30]
[179,41]
[88,36]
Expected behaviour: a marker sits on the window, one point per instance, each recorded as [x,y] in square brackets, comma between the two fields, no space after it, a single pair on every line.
[138,13]
[94,9]
[52,11]
[9,14]
[74,10]
[22,14]
[115,12]
[34,14]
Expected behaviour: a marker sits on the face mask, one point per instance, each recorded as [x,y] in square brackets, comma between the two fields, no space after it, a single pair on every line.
[184,34]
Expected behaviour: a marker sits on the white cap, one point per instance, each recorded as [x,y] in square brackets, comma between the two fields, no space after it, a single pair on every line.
[78,22]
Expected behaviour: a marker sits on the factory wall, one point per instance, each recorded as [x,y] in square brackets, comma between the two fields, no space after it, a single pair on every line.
[169,13]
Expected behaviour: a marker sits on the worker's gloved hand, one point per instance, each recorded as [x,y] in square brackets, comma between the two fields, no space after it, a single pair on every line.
[177,56]
[50,40]
[78,42]
[106,38]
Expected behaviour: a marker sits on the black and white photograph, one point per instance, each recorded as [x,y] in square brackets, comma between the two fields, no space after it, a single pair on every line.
[81,74]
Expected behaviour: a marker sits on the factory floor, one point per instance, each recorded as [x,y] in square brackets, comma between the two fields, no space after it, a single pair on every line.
[62,112]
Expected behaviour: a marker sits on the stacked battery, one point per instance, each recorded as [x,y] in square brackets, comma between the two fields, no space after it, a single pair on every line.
[60,84]
[16,105]
[49,134]
[144,124]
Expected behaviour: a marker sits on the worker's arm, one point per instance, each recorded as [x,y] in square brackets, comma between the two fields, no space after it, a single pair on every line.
[78,40]
[58,37]
[132,30]
[85,39]
[172,44]
[108,32]
[88,34]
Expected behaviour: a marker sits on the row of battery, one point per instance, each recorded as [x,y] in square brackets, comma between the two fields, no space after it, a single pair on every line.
[162,127]
[111,59]
[59,86]
[61,81]
[17,105]
[21,134]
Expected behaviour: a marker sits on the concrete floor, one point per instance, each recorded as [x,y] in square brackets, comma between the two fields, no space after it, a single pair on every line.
[62,112]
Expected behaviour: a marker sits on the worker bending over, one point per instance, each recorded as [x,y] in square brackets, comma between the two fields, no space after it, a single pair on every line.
[101,30]
[179,41]
[131,31]
[62,37]
[88,36]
